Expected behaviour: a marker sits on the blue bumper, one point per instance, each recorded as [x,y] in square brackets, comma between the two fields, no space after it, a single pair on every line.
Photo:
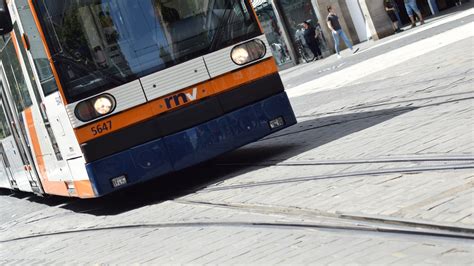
[191,146]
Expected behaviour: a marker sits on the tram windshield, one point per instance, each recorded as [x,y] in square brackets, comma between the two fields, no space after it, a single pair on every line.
[100,44]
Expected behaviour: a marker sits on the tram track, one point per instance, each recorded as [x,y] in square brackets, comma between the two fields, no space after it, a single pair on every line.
[336,223]
[377,172]
[392,159]
[373,112]
[375,223]
[308,219]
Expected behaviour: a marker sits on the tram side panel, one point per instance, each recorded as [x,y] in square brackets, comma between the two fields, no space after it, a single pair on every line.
[6,179]
[5,176]
[52,174]
[35,162]
[65,174]
[14,148]
[77,180]
[16,95]
[17,170]
[55,174]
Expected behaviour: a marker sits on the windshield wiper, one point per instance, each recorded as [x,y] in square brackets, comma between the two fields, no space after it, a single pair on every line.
[84,68]
[217,38]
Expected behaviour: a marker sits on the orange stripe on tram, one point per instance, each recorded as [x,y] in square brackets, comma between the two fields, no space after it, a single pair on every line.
[153,108]
[15,44]
[83,188]
[256,17]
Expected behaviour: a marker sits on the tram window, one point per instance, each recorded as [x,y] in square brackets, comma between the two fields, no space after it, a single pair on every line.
[100,44]
[29,69]
[4,128]
[15,77]
[37,50]
[2,40]
[36,91]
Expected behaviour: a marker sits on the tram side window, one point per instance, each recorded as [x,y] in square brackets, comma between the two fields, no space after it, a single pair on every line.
[4,128]
[2,40]
[16,80]
[45,74]
[29,69]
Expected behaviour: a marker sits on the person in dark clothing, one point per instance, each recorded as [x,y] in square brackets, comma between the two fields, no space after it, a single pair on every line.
[169,14]
[311,40]
[336,29]
[391,12]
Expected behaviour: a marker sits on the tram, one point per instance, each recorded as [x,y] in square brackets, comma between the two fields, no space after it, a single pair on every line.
[98,95]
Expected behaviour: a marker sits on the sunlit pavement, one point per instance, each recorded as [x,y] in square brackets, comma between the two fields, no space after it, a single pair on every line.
[378,170]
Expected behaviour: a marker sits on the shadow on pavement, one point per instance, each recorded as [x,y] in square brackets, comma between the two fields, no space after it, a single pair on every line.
[305,136]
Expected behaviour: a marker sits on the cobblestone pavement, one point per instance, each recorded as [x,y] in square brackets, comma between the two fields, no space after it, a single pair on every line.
[378,170]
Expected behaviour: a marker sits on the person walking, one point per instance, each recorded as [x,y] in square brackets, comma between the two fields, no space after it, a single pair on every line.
[391,12]
[336,29]
[311,40]
[433,7]
[411,7]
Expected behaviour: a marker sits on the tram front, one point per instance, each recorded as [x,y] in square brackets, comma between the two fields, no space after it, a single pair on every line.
[155,86]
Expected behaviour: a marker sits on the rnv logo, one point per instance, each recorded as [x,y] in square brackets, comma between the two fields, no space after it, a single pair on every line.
[193,96]
[181,98]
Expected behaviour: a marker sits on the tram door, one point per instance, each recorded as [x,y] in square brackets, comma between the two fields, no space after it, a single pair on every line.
[6,177]
[15,147]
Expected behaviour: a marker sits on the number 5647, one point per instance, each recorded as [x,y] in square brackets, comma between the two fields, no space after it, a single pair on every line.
[101,128]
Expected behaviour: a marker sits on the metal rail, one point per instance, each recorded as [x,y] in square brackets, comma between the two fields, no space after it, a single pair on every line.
[379,224]
[274,225]
[407,159]
[331,221]
[342,175]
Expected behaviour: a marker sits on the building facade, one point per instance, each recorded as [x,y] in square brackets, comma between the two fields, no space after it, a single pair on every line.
[377,20]
[361,20]
[282,23]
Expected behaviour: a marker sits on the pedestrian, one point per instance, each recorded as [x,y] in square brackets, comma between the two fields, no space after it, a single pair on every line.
[279,52]
[312,40]
[411,7]
[391,12]
[320,37]
[397,13]
[336,30]
[433,6]
[100,57]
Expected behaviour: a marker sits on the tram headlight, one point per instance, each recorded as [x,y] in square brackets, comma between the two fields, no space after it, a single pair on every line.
[248,52]
[103,105]
[95,107]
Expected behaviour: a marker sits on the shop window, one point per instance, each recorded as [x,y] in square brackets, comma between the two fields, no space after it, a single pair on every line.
[295,12]
[273,32]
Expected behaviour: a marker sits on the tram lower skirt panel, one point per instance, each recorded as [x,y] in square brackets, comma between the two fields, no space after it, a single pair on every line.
[191,146]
